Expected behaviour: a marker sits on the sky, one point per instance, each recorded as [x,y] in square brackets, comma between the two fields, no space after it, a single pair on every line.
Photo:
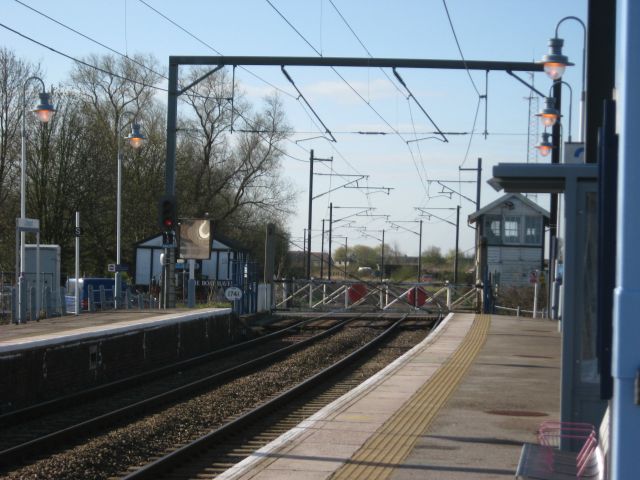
[406,162]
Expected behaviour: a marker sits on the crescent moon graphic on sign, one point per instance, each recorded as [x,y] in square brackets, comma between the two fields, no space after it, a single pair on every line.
[201,230]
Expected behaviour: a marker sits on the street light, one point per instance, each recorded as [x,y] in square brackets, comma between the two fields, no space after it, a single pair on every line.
[44,111]
[555,62]
[545,146]
[136,140]
[549,114]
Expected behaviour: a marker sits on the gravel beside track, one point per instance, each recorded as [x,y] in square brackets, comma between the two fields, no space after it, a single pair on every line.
[108,455]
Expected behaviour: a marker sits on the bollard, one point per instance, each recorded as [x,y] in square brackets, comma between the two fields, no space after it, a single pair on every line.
[518,311]
[140,302]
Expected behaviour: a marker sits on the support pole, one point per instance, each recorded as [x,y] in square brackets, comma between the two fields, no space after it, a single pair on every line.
[77,272]
[420,253]
[553,210]
[478,171]
[455,261]
[322,253]
[415,297]
[535,297]
[382,258]
[309,216]
[170,177]
[38,290]
[116,283]
[330,233]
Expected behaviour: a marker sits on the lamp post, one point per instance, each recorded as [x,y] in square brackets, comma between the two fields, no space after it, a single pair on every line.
[136,140]
[44,111]
[555,63]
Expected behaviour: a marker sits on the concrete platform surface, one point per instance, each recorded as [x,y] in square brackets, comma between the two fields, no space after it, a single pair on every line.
[458,406]
[75,327]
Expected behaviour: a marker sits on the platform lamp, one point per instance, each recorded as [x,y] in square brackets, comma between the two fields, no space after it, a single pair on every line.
[136,140]
[545,146]
[555,62]
[549,115]
[44,111]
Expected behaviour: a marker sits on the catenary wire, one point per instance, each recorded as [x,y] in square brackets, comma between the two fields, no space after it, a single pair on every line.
[453,30]
[349,85]
[58,52]
[212,48]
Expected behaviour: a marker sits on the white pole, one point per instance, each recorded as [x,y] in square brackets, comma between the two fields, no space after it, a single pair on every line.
[23,202]
[38,292]
[77,291]
[535,298]
[116,293]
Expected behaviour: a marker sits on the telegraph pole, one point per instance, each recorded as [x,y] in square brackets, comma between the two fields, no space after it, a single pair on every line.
[382,257]
[310,216]
[330,231]
[455,262]
[420,255]
[322,253]
[478,170]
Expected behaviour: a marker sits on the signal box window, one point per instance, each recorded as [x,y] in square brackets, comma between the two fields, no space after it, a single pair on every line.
[493,228]
[533,230]
[511,229]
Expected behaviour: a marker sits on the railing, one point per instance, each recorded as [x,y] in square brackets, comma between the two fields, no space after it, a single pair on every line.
[61,304]
[520,311]
[318,294]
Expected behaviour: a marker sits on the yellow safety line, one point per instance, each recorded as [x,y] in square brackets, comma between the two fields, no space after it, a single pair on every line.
[395,439]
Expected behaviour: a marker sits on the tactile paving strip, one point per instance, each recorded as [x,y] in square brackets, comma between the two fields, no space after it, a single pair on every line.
[395,439]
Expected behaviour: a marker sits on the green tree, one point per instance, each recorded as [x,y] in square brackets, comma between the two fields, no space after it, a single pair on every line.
[432,257]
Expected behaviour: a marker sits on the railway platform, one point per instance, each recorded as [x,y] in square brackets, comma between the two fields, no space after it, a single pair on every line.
[457,406]
[69,328]
[45,360]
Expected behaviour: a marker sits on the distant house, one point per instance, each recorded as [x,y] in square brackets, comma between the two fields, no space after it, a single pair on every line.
[218,270]
[511,232]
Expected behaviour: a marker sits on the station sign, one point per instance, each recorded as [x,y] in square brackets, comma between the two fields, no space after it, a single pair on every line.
[28,224]
[112,267]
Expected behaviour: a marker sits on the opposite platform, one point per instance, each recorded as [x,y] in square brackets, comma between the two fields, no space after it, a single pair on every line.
[47,360]
[58,330]
[457,406]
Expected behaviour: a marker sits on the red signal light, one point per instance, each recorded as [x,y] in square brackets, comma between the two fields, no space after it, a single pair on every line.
[167,212]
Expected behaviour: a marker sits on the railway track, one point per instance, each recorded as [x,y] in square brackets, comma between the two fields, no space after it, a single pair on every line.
[36,430]
[135,440]
[219,449]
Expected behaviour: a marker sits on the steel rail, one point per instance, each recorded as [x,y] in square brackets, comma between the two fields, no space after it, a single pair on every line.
[179,456]
[32,411]
[41,444]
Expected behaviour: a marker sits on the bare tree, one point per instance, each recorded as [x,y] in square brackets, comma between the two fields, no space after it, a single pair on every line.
[13,74]
[233,176]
